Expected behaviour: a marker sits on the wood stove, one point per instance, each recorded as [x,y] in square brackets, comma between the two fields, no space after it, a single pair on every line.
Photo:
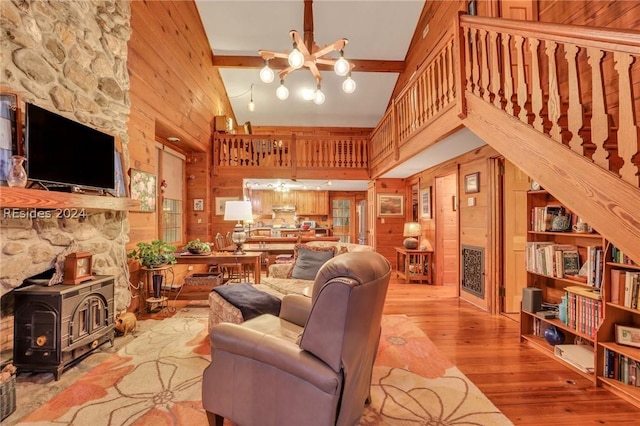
[59,325]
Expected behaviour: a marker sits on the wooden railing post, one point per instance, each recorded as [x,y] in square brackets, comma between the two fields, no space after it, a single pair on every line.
[294,156]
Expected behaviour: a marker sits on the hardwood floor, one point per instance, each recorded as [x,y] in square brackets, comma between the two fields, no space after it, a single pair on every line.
[526,385]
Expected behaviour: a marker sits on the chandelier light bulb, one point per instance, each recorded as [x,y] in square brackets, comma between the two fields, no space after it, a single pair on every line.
[282,92]
[266,74]
[296,58]
[308,94]
[341,66]
[319,97]
[251,106]
[349,86]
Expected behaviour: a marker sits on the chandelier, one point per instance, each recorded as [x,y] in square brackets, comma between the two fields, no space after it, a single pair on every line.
[306,53]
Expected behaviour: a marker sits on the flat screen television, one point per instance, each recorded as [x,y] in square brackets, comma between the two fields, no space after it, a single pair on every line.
[64,153]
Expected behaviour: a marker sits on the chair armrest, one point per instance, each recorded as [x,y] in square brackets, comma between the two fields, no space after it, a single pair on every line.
[280,270]
[281,354]
[295,308]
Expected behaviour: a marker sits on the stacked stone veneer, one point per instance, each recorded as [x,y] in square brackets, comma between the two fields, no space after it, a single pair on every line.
[69,57]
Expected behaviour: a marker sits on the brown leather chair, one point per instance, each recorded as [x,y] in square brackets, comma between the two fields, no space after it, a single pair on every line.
[312,365]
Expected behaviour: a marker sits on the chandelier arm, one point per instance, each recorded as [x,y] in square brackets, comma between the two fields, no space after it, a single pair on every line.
[336,45]
[300,43]
[269,54]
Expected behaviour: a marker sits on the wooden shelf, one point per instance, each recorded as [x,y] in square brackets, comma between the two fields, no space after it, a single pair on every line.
[564,280]
[627,392]
[627,351]
[540,344]
[567,234]
[559,324]
[623,308]
[623,266]
[41,199]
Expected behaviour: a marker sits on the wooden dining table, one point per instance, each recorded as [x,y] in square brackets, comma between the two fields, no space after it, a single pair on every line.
[215,258]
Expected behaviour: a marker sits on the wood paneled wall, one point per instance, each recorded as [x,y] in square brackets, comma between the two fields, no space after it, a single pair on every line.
[174,88]
[389,229]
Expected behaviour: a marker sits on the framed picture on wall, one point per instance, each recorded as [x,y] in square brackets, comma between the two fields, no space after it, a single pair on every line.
[472,183]
[144,189]
[390,205]
[425,203]
[221,201]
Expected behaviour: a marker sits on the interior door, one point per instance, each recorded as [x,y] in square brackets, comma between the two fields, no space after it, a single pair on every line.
[516,185]
[342,214]
[447,245]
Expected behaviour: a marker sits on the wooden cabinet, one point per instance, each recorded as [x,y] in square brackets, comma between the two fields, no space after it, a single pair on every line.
[262,202]
[312,203]
[284,198]
[555,256]
[602,300]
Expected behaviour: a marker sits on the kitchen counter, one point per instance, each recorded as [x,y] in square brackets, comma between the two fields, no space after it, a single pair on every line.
[289,239]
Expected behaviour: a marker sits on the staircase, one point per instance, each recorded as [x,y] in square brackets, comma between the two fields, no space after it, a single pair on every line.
[557,101]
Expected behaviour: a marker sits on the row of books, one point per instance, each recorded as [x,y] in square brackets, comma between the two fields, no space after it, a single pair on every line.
[625,288]
[585,310]
[618,256]
[542,217]
[594,266]
[621,367]
[551,259]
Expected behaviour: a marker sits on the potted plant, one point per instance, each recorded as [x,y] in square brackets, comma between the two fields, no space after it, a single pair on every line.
[197,247]
[154,254]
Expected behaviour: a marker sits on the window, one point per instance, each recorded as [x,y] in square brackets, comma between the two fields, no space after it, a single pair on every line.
[171,178]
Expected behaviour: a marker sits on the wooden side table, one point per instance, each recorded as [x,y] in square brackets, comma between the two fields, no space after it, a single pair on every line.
[414,265]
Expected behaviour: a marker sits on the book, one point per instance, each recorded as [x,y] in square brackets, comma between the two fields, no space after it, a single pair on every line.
[571,262]
[617,286]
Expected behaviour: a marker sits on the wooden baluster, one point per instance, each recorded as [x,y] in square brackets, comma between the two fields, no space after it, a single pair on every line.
[495,69]
[432,90]
[475,69]
[486,94]
[599,118]
[521,90]
[536,90]
[508,77]
[553,106]
[451,80]
[441,85]
[467,57]
[423,97]
[574,112]
[627,130]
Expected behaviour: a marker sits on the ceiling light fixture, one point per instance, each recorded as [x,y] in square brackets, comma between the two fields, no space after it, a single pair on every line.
[306,53]
[251,105]
[266,74]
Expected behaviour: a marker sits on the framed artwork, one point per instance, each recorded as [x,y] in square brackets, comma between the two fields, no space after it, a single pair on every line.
[425,203]
[390,205]
[198,205]
[221,201]
[143,189]
[10,127]
[629,336]
[472,183]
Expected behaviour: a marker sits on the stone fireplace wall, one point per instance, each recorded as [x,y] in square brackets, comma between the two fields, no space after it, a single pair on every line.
[69,57]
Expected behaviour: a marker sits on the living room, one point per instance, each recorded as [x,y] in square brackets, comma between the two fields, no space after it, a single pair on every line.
[169,36]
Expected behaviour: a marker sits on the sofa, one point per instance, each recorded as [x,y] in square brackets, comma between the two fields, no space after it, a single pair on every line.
[281,279]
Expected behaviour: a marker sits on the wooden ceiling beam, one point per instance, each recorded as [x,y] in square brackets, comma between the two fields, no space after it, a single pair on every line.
[360,65]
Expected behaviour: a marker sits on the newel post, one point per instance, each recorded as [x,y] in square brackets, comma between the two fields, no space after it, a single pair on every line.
[458,61]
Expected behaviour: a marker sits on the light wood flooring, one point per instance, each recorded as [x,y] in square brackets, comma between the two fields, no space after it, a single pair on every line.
[527,386]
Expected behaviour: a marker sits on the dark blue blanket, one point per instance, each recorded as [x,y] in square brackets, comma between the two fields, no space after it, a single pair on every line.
[249,300]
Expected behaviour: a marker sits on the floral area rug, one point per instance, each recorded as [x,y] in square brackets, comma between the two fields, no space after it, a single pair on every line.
[413,384]
[156,380]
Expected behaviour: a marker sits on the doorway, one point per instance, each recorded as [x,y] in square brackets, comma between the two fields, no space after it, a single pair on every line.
[447,232]
[515,185]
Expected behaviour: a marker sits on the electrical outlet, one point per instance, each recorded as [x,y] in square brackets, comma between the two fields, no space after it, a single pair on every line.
[471,201]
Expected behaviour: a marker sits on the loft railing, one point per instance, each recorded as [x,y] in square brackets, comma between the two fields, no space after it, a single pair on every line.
[430,91]
[572,83]
[291,152]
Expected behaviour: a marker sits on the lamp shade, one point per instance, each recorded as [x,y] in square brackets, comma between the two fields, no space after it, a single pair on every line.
[237,210]
[412,229]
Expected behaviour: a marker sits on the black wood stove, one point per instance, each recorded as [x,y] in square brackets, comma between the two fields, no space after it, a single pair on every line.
[59,325]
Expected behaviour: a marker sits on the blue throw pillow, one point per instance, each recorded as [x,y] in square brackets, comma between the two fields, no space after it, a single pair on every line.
[309,260]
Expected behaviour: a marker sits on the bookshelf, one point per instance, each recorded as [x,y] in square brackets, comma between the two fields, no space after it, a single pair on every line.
[553,247]
[599,300]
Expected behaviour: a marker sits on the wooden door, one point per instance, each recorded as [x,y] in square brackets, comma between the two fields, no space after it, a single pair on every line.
[371,214]
[447,244]
[514,224]
[343,218]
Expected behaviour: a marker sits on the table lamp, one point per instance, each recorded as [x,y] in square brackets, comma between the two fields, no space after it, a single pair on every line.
[238,210]
[411,231]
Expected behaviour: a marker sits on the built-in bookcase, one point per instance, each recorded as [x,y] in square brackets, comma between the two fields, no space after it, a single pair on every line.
[597,296]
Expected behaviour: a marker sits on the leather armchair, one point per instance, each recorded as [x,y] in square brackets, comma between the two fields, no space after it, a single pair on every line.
[312,365]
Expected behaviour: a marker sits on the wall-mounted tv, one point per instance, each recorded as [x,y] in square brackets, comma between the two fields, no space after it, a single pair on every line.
[63,152]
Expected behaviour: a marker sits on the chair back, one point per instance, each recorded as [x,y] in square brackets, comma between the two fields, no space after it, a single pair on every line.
[220,242]
[343,328]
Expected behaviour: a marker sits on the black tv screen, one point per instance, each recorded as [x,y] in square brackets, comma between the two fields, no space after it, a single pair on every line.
[64,152]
